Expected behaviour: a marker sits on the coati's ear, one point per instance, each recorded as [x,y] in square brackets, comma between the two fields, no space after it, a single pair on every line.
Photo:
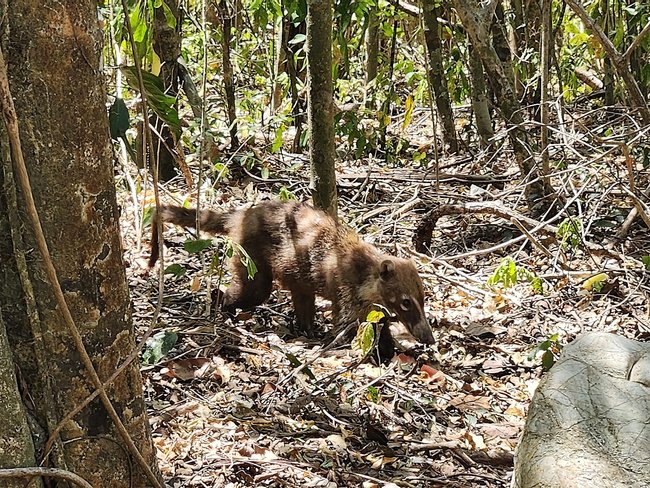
[386,269]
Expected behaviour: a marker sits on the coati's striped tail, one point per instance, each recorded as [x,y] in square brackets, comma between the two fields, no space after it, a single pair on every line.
[211,221]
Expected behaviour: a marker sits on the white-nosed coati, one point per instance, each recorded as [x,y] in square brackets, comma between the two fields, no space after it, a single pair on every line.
[309,254]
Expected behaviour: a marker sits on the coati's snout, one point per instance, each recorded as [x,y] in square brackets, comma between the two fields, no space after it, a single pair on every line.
[403,294]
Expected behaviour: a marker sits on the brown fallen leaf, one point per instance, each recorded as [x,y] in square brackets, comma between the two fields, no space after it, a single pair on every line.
[187,369]
[432,375]
[466,403]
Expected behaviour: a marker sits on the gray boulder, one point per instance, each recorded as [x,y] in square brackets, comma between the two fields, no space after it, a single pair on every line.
[589,421]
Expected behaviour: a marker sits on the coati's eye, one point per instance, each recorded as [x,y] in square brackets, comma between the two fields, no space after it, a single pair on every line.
[406,304]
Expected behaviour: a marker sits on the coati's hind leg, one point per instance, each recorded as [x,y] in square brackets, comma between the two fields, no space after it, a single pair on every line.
[304,303]
[247,293]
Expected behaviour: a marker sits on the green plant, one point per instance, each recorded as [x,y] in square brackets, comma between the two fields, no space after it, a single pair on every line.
[285,194]
[569,232]
[234,247]
[551,348]
[508,274]
[175,269]
[373,394]
[368,332]
[158,345]
[646,262]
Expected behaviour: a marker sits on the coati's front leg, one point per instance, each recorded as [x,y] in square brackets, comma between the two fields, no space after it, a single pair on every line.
[247,293]
[304,303]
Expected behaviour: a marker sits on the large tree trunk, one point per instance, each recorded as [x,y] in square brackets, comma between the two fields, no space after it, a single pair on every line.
[436,73]
[52,49]
[320,104]
[13,421]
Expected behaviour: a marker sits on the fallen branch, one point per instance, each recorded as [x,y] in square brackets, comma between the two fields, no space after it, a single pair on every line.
[424,231]
[61,474]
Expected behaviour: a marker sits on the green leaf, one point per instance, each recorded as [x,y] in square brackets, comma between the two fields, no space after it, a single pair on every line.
[366,337]
[160,103]
[569,232]
[285,194]
[277,141]
[408,113]
[296,363]
[374,316]
[537,285]
[418,156]
[169,15]
[146,216]
[298,39]
[194,246]
[548,360]
[158,346]
[175,269]
[138,23]
[118,118]
[646,262]
[245,258]
[373,394]
[251,267]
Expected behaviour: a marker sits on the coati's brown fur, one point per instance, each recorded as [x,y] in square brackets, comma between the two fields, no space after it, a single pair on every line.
[309,254]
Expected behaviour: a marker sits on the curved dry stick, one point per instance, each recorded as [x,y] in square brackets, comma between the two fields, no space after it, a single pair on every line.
[45,473]
[423,233]
[11,122]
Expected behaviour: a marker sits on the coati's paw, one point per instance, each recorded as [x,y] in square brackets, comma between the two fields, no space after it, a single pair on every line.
[300,329]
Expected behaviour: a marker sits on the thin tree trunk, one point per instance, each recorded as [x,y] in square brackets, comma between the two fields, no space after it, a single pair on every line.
[436,73]
[372,45]
[619,61]
[545,61]
[65,143]
[320,108]
[295,66]
[479,98]
[534,20]
[228,76]
[501,78]
[167,45]
[279,61]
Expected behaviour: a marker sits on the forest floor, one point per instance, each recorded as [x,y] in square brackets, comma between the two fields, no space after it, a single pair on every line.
[228,407]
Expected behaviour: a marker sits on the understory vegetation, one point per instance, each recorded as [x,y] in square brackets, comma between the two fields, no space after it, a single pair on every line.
[512,271]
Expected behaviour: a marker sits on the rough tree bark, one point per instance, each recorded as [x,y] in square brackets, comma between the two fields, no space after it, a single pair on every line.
[279,61]
[371,42]
[372,45]
[52,49]
[16,446]
[436,73]
[320,104]
[167,45]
